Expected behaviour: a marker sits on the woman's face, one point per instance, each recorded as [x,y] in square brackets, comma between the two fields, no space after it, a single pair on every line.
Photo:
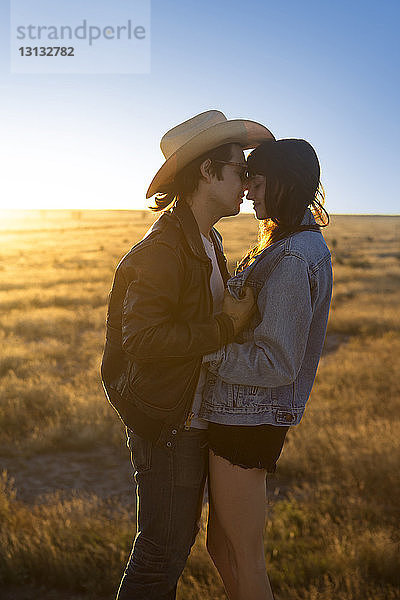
[256,193]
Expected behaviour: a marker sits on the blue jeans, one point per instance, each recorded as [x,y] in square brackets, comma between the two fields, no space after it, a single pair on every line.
[170,484]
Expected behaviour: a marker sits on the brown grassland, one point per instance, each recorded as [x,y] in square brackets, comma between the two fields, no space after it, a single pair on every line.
[67,499]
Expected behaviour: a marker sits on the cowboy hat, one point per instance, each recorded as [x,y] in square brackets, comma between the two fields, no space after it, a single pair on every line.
[208,130]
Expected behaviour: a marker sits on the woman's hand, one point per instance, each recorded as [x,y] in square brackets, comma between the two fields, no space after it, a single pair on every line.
[241,310]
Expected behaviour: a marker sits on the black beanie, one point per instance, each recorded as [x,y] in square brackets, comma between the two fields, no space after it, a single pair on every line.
[294,164]
[291,160]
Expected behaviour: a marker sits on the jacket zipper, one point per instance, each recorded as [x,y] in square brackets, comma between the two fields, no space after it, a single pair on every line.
[188,416]
[188,420]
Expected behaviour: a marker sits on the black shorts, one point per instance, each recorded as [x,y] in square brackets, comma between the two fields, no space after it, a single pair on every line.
[249,447]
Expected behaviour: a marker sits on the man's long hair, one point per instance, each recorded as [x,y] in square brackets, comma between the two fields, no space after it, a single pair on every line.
[187,180]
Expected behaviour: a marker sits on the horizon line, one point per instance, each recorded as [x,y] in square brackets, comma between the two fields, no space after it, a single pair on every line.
[147,210]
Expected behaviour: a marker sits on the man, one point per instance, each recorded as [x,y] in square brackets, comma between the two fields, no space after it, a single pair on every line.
[167,309]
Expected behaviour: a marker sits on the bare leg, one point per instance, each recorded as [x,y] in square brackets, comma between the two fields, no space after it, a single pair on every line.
[237,524]
[221,551]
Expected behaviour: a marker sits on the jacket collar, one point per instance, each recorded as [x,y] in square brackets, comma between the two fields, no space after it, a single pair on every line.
[241,277]
[308,218]
[189,226]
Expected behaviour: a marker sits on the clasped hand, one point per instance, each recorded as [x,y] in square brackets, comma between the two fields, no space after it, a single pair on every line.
[241,310]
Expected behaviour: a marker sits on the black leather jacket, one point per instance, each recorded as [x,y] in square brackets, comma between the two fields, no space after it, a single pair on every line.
[159,325]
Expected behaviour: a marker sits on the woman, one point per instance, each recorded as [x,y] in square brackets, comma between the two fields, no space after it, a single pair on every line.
[258,387]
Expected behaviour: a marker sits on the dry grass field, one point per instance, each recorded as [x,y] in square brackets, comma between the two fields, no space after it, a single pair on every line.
[67,497]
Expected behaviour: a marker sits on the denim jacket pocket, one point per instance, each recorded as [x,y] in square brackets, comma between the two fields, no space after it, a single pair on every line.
[283,397]
[249,399]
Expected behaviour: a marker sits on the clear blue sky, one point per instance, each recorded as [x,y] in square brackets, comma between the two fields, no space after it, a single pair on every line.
[320,70]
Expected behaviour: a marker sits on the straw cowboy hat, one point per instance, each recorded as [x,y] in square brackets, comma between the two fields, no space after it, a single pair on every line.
[205,131]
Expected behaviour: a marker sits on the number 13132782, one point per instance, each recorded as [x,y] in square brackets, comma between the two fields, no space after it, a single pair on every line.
[46,51]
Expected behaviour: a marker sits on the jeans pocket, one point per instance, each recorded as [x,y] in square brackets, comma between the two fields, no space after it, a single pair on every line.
[191,458]
[141,450]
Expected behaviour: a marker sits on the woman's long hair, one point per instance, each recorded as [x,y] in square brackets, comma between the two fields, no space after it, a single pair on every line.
[292,172]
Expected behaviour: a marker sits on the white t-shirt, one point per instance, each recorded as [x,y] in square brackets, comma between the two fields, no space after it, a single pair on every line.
[217,290]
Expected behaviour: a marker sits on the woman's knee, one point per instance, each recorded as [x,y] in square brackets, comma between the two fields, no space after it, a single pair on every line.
[246,548]
[214,543]
[223,558]
[217,544]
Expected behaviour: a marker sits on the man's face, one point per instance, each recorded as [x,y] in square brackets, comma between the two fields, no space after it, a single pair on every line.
[256,192]
[227,193]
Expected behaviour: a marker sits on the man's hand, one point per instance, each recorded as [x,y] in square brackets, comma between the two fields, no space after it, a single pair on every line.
[239,310]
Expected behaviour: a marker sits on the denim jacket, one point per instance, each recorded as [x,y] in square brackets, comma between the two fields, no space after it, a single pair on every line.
[266,376]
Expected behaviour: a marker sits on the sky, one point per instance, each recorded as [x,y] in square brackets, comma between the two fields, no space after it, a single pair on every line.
[324,71]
